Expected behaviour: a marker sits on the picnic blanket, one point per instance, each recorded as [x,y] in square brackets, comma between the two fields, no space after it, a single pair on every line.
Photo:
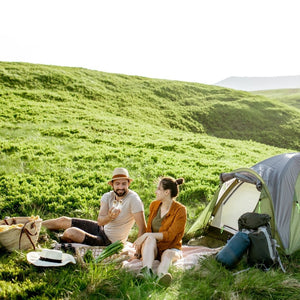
[191,255]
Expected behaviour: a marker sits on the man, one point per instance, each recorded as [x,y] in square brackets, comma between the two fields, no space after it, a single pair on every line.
[119,210]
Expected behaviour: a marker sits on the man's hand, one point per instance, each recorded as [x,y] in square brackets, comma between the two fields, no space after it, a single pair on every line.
[113,213]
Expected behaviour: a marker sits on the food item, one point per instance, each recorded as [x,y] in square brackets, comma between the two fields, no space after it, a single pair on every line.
[117,205]
[7,227]
[113,248]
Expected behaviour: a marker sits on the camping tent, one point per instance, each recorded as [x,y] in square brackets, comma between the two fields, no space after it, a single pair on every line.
[271,186]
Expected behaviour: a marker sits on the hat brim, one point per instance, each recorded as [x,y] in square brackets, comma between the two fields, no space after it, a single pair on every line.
[34,258]
[129,179]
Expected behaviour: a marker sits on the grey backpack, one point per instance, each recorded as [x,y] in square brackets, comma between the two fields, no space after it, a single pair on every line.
[262,252]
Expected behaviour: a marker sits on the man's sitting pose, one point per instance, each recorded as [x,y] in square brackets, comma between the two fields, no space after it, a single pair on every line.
[119,210]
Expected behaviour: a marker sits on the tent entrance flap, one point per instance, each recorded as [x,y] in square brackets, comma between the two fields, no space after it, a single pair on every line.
[244,199]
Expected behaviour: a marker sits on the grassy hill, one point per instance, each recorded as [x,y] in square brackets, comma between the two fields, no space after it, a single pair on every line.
[168,104]
[63,131]
[287,96]
[74,126]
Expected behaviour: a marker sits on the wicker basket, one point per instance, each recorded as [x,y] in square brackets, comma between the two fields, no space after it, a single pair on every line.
[22,237]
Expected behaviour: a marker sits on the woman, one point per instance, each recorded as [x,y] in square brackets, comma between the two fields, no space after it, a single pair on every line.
[165,229]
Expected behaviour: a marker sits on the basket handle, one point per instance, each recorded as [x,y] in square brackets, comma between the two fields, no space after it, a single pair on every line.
[28,234]
[8,218]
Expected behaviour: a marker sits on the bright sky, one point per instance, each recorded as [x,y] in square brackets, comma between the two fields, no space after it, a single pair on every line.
[190,40]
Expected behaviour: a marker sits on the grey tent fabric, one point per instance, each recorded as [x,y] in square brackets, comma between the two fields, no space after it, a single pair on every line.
[277,193]
[280,174]
[242,176]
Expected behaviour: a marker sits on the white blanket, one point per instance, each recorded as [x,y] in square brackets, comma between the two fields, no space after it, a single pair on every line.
[191,257]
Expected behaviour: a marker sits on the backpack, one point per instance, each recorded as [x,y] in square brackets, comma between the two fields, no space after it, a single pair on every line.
[262,251]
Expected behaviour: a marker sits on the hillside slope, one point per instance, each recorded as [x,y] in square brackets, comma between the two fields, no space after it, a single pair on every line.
[287,96]
[168,104]
[63,130]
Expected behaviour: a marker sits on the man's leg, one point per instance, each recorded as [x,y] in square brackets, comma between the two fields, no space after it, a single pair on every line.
[86,232]
[79,231]
[57,224]
[76,235]
[73,235]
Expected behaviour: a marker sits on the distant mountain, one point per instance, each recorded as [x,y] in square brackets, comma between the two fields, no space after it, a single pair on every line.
[260,83]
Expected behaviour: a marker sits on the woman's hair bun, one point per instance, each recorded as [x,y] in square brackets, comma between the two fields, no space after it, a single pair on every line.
[179,181]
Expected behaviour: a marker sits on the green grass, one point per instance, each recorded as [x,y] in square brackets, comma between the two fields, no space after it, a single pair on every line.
[19,280]
[288,96]
[63,131]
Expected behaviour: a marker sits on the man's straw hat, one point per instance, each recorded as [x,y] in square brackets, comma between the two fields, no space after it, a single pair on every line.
[120,173]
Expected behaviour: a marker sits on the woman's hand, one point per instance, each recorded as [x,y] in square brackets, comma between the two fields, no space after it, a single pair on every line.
[139,242]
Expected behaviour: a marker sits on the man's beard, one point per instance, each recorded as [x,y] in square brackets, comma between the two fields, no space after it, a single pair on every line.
[120,193]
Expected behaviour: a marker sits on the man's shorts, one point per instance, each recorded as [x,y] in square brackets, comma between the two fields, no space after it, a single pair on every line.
[94,229]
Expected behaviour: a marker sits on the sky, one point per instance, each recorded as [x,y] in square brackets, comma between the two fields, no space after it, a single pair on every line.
[201,41]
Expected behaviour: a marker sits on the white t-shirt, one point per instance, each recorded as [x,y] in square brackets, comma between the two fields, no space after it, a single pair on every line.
[119,228]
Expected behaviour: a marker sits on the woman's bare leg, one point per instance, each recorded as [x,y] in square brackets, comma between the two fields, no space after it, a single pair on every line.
[167,258]
[149,252]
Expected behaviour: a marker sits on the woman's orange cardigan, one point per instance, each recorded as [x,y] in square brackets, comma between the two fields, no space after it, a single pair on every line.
[172,225]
